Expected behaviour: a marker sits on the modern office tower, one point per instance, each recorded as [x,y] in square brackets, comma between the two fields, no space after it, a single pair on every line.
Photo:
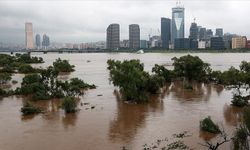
[228,40]
[143,44]
[182,43]
[46,42]
[38,41]
[209,34]
[193,36]
[217,43]
[202,34]
[193,31]
[239,42]
[113,37]
[29,36]
[134,36]
[219,32]
[178,23]
[165,32]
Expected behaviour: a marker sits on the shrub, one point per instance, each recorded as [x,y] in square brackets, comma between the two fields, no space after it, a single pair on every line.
[26,68]
[188,86]
[163,72]
[29,109]
[81,84]
[63,65]
[5,77]
[69,104]
[14,81]
[131,78]
[2,92]
[26,58]
[191,67]
[208,125]
[239,101]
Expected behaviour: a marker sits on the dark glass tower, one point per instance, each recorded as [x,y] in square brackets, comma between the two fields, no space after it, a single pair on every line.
[165,32]
[219,32]
[38,41]
[193,31]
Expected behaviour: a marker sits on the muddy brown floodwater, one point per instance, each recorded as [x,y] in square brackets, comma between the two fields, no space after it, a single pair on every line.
[112,123]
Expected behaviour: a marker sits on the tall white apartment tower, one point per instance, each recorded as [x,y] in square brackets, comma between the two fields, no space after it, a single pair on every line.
[29,35]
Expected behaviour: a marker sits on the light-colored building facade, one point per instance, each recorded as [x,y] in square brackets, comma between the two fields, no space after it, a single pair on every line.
[29,43]
[201,44]
[239,42]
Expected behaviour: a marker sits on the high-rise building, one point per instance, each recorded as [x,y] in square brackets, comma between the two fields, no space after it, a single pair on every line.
[228,40]
[182,43]
[143,44]
[202,34]
[209,34]
[134,36]
[165,32]
[46,42]
[29,36]
[219,32]
[113,37]
[38,41]
[217,43]
[178,23]
[193,31]
[239,42]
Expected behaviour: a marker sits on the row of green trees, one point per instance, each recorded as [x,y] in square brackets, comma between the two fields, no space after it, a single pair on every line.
[41,84]
[135,84]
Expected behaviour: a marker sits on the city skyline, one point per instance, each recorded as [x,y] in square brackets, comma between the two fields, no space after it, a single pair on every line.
[88,23]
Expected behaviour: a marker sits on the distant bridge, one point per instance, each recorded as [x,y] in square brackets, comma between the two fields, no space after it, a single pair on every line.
[54,51]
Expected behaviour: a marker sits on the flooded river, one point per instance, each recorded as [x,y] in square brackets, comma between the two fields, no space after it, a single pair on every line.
[112,123]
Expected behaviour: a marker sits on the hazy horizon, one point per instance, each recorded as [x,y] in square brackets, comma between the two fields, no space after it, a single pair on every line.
[86,21]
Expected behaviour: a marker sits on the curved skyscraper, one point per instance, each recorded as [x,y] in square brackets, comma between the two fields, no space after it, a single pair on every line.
[178,23]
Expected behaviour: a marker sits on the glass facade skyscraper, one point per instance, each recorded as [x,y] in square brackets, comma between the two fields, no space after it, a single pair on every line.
[165,32]
[178,23]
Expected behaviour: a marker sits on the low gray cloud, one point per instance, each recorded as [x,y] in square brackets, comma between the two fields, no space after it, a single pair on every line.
[84,21]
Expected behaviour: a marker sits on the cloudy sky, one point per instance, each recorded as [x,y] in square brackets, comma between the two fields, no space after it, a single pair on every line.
[77,21]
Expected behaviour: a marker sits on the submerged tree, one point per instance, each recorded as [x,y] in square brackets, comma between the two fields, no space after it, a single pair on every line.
[63,65]
[29,109]
[134,83]
[4,78]
[191,68]
[69,104]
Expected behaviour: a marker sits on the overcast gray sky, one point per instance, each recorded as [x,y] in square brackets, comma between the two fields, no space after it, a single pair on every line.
[79,21]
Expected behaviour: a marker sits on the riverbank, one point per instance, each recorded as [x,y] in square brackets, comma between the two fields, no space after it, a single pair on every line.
[129,51]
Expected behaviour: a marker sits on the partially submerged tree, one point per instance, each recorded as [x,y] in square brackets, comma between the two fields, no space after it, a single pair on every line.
[63,65]
[134,83]
[191,68]
[208,125]
[29,109]
[4,78]
[69,104]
